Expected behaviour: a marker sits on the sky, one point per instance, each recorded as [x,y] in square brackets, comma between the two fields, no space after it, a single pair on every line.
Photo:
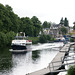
[44,10]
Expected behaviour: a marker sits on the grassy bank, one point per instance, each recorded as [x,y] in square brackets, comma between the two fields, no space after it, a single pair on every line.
[41,39]
[35,40]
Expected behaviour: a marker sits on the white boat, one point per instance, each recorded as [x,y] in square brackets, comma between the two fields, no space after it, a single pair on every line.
[20,42]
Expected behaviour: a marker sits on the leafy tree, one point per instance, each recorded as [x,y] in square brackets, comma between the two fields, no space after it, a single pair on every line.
[1,24]
[66,22]
[63,30]
[37,25]
[62,21]
[43,39]
[48,37]
[8,8]
[10,36]
[74,26]
[27,26]
[8,20]
[3,39]
[46,24]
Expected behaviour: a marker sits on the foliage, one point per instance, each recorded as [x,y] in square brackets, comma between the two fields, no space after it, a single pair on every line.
[10,36]
[5,39]
[63,30]
[8,20]
[71,70]
[34,39]
[64,22]
[37,25]
[48,37]
[27,26]
[74,26]
[45,38]
[71,40]
[46,24]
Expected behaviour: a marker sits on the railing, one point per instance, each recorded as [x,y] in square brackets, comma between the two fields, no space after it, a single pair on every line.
[53,66]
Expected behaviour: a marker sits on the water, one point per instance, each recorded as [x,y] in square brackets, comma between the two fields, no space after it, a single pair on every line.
[39,57]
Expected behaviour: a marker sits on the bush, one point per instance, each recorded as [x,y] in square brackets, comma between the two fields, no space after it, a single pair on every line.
[71,40]
[43,39]
[3,39]
[71,70]
[48,37]
[10,36]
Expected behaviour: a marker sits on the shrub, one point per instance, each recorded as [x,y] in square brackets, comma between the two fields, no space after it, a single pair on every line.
[10,36]
[43,39]
[71,70]
[71,40]
[3,39]
[48,37]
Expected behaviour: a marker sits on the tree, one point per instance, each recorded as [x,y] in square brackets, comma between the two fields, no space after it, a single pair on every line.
[3,39]
[48,37]
[74,26]
[9,8]
[43,39]
[66,22]
[8,20]
[46,24]
[10,36]
[63,30]
[37,25]
[62,21]
[27,26]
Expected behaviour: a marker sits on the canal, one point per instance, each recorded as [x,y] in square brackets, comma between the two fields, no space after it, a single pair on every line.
[38,57]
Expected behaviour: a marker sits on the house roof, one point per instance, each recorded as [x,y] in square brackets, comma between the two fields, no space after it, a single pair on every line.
[56,25]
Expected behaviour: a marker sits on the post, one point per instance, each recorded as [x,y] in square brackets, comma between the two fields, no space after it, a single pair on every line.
[49,67]
[52,66]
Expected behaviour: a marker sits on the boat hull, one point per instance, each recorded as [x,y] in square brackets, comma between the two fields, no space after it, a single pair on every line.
[18,47]
[18,51]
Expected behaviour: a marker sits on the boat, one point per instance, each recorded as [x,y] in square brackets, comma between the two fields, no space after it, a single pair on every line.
[60,39]
[20,42]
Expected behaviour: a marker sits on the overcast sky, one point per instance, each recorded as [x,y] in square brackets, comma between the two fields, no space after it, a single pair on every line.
[45,10]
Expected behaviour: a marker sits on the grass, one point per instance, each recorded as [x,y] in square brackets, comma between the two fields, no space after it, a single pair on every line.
[34,39]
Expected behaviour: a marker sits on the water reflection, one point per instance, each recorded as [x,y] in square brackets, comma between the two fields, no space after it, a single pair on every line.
[5,60]
[35,55]
[20,64]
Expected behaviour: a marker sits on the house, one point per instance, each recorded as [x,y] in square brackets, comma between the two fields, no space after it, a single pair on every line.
[55,30]
[73,35]
[46,31]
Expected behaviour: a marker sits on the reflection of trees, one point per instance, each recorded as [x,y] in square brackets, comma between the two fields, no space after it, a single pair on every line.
[5,63]
[35,55]
[5,59]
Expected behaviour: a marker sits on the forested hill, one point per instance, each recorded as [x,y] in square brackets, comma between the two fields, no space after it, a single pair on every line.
[9,21]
